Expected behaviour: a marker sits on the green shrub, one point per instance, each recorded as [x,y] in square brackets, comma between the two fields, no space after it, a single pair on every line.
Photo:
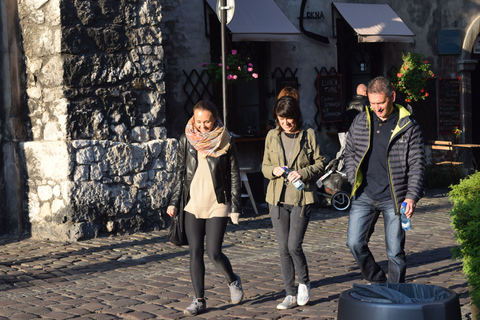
[465,216]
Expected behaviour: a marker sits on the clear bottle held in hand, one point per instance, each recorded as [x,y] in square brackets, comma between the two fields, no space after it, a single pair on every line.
[297,183]
[406,222]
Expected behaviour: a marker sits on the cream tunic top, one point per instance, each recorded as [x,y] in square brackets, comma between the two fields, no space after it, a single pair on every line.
[203,201]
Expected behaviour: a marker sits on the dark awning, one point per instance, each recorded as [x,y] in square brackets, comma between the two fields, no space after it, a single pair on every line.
[375,22]
[259,20]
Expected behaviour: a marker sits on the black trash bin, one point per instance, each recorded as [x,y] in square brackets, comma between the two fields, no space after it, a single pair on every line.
[398,301]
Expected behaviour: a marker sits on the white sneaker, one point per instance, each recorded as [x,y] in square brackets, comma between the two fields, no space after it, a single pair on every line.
[236,291]
[303,294]
[289,302]
[197,306]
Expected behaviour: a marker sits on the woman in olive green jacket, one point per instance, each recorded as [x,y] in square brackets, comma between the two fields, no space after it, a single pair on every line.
[296,148]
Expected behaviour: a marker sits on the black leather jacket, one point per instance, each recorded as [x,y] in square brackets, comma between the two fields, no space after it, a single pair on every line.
[225,174]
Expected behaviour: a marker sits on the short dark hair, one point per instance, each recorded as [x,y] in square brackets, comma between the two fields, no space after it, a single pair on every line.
[287,107]
[380,85]
[208,106]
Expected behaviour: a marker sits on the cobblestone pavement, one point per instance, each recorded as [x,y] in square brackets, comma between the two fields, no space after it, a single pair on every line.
[142,276]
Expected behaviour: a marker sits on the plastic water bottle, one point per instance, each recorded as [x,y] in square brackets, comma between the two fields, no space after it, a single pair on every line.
[406,222]
[297,183]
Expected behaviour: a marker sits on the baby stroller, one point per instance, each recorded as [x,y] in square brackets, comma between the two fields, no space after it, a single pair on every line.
[334,185]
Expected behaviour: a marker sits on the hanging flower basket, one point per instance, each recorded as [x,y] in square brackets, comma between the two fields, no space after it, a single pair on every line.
[237,67]
[412,77]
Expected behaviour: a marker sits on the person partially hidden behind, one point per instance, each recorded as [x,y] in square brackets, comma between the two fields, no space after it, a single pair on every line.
[385,164]
[294,146]
[208,178]
[357,104]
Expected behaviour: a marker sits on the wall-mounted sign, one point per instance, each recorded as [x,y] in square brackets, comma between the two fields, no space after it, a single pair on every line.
[314,15]
[476,45]
[448,105]
[448,42]
[330,97]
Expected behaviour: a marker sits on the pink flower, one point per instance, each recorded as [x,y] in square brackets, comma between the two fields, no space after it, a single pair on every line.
[203,64]
[228,67]
[235,77]
[229,77]
[250,64]
[234,52]
[219,64]
[405,67]
[250,69]
[239,68]
[255,75]
[399,75]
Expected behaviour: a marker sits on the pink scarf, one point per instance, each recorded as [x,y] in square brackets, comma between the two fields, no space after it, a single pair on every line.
[213,143]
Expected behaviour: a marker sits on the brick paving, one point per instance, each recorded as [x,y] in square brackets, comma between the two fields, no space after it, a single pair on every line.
[143,276]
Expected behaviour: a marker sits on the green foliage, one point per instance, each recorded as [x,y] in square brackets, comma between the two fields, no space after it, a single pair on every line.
[237,67]
[412,76]
[465,216]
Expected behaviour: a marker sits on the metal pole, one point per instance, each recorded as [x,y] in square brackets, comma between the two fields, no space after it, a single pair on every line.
[224,58]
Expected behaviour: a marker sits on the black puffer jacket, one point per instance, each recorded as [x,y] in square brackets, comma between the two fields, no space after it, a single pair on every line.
[405,155]
[224,169]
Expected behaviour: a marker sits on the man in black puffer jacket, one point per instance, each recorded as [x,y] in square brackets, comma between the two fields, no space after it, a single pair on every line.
[357,104]
[385,164]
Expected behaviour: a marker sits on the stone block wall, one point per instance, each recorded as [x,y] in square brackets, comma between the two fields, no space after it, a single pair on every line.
[99,159]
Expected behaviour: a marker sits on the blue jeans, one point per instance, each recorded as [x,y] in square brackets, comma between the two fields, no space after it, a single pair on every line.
[361,224]
[290,230]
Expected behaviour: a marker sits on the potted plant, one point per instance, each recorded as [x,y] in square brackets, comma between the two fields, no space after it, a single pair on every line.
[458,133]
[237,67]
[412,76]
[465,216]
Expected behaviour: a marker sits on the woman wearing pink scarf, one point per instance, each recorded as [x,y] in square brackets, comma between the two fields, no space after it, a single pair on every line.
[208,180]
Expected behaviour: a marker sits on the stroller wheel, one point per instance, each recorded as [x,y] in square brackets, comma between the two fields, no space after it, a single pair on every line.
[340,200]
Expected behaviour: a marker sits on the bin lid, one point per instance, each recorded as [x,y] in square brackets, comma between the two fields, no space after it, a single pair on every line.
[401,292]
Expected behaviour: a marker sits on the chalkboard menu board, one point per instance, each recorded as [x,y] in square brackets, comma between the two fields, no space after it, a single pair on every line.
[330,97]
[448,105]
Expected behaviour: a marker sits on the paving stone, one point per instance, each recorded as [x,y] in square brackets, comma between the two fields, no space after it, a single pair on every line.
[58,315]
[23,316]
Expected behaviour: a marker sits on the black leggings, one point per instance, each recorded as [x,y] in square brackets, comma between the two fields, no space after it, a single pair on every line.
[214,229]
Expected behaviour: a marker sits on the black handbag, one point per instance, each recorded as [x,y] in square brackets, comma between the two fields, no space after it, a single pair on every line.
[176,232]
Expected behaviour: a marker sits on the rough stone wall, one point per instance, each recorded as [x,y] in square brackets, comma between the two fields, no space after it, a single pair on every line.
[100,160]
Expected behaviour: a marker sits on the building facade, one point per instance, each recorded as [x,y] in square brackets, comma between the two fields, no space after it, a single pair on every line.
[96,93]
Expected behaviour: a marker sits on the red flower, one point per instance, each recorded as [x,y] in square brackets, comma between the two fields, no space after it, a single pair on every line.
[426,94]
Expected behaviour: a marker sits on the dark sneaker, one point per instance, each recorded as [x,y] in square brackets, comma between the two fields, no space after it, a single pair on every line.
[197,306]
[236,291]
[288,303]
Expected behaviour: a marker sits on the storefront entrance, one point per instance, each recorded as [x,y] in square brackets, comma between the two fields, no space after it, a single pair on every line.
[357,62]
